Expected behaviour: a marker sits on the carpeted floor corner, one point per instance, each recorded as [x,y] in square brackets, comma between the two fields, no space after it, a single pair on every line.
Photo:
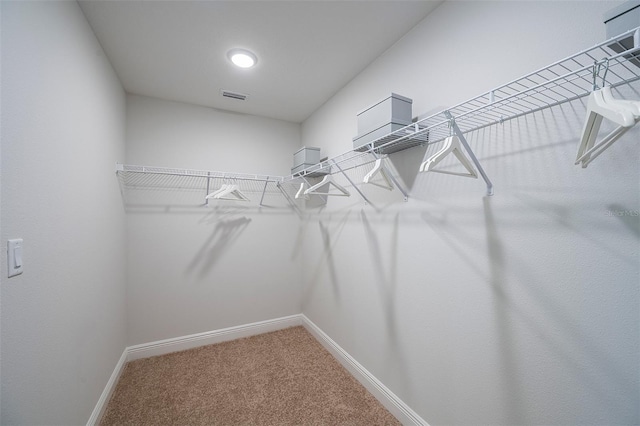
[281,378]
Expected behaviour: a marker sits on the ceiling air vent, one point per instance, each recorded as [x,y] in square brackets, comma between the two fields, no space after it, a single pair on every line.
[234,95]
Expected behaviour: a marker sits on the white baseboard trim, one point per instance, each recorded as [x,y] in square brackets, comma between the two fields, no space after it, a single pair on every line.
[98,411]
[176,344]
[387,398]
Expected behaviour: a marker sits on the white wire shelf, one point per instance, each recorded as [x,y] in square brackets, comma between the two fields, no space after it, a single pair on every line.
[563,81]
[197,183]
[128,170]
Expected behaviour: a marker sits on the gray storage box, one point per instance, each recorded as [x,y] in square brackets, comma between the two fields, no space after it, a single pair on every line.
[381,119]
[306,156]
[620,19]
[392,109]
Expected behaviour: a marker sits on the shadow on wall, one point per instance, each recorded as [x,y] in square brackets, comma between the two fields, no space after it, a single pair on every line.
[581,355]
[220,240]
[569,218]
[510,383]
[386,281]
[387,284]
[629,217]
[406,164]
[329,240]
[212,213]
[227,212]
[299,242]
[512,279]
[328,254]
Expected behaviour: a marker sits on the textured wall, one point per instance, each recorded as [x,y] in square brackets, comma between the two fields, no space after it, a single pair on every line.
[521,308]
[63,112]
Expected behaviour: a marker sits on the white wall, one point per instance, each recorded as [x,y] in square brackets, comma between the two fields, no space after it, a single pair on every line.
[194,269]
[63,112]
[516,309]
[1,270]
[521,308]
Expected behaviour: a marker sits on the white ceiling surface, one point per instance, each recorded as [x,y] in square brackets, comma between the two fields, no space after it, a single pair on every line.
[307,50]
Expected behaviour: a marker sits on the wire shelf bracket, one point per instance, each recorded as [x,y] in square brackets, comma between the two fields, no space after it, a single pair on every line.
[472,155]
[366,200]
[405,194]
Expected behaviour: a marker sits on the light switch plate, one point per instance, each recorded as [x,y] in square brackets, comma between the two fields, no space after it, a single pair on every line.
[14,257]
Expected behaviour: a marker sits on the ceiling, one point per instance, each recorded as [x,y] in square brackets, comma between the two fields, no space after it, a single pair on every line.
[307,50]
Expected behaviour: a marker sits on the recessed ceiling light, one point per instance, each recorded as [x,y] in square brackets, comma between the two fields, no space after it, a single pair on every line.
[242,58]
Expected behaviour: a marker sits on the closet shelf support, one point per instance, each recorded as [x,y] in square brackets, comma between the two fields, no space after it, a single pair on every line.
[264,189]
[292,203]
[393,179]
[366,200]
[472,155]
[208,191]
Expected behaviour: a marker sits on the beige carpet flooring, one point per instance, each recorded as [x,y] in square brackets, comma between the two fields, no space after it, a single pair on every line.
[280,378]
